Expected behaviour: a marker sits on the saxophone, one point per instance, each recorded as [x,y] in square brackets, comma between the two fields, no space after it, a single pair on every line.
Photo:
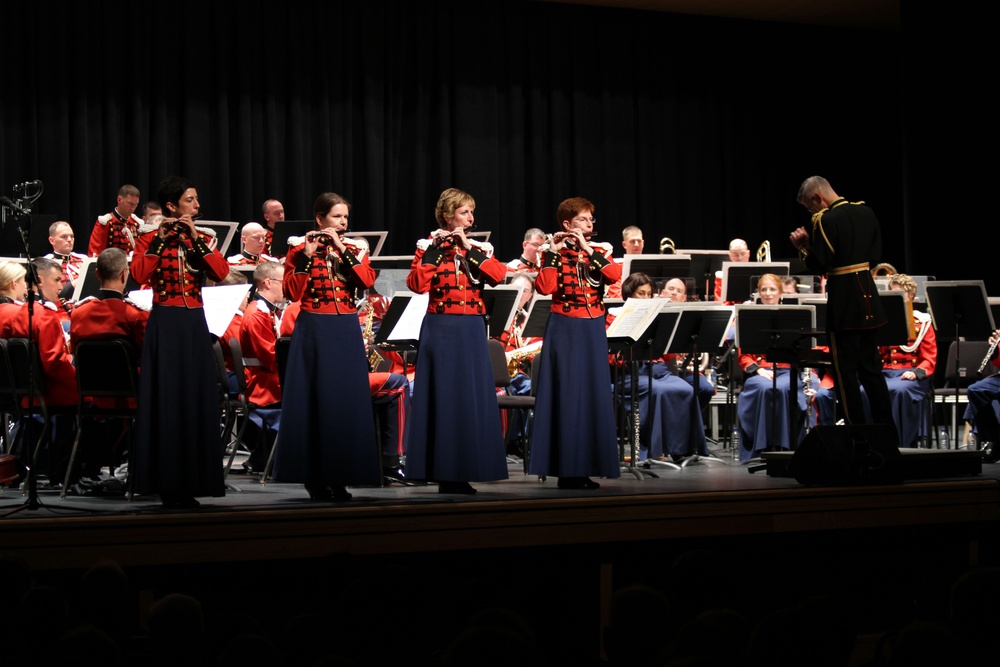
[374,358]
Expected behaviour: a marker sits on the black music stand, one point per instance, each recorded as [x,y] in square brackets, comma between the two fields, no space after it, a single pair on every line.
[90,284]
[501,304]
[538,317]
[897,331]
[635,348]
[699,329]
[704,264]
[657,267]
[285,229]
[782,333]
[739,279]
[959,310]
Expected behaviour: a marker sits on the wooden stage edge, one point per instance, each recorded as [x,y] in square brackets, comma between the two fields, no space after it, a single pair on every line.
[390,527]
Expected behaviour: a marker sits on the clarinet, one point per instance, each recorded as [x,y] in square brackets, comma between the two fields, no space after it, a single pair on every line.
[989,355]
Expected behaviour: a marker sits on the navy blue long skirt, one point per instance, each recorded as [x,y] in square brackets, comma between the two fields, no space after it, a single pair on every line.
[573,434]
[327,424]
[754,411]
[178,445]
[454,433]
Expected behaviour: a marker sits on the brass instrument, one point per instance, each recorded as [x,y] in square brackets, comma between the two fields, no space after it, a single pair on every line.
[764,252]
[368,334]
[667,246]
[884,269]
[515,357]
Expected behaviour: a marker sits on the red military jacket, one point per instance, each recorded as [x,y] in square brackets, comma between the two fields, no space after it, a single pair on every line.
[325,282]
[71,265]
[576,281]
[114,231]
[259,330]
[751,362]
[176,267]
[919,354]
[57,364]
[108,315]
[453,277]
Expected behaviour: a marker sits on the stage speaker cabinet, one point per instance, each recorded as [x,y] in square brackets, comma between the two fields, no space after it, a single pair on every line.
[848,455]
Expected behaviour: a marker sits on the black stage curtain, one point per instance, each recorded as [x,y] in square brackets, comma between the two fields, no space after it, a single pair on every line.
[695,128]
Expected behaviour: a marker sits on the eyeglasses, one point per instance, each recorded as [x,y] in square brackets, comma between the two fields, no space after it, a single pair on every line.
[534,245]
[580,218]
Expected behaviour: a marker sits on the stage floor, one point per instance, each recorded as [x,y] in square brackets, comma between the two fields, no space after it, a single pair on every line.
[760,541]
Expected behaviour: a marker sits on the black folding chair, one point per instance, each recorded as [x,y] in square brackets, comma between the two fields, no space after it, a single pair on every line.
[106,369]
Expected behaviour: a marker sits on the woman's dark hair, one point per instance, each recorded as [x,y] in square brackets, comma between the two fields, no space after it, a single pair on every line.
[634,282]
[325,203]
[171,189]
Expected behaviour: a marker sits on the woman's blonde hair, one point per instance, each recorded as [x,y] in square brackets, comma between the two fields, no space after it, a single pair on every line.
[10,273]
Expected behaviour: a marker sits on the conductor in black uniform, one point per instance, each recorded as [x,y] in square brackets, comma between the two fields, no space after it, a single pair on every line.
[844,244]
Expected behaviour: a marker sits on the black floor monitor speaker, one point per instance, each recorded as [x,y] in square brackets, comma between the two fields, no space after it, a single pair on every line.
[846,455]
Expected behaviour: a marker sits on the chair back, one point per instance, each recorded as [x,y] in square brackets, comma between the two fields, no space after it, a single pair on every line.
[498,357]
[9,403]
[26,369]
[281,356]
[238,368]
[106,368]
[963,361]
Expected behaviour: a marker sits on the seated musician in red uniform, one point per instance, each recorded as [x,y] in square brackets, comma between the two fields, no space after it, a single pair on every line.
[109,314]
[58,373]
[258,335]
[120,227]
[253,239]
[520,352]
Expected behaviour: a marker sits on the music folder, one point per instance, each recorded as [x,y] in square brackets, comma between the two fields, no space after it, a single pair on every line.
[501,305]
[657,267]
[539,309]
[401,323]
[900,319]
[644,325]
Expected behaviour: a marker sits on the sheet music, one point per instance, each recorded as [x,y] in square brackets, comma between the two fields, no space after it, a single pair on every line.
[221,303]
[635,317]
[408,326]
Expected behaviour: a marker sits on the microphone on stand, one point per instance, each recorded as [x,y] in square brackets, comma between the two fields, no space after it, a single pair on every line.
[6,201]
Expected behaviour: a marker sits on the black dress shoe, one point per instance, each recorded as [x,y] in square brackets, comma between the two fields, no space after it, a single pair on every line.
[584,483]
[991,452]
[320,494]
[179,502]
[340,494]
[456,487]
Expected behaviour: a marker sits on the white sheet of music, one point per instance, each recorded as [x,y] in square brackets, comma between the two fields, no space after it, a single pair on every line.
[408,326]
[221,303]
[635,317]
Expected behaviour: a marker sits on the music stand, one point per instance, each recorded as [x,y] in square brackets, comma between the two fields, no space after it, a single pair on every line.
[704,264]
[285,229]
[959,309]
[501,304]
[400,328]
[537,317]
[637,343]
[224,232]
[699,329]
[377,237]
[482,237]
[88,284]
[897,331]
[739,279]
[657,267]
[391,272]
[777,332]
